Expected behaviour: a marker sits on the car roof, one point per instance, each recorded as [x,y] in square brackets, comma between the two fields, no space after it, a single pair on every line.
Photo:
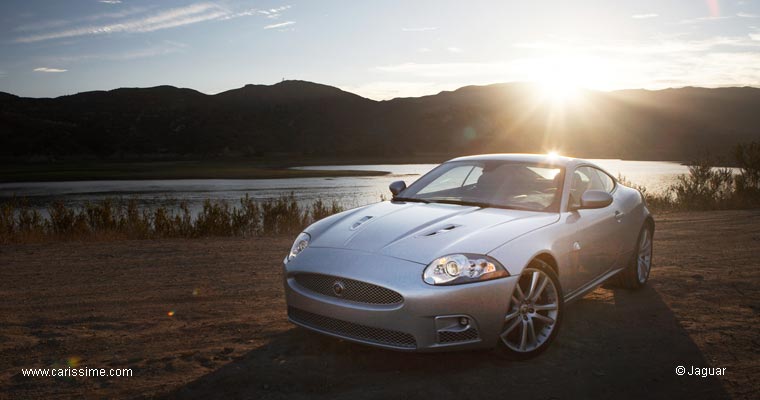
[548,159]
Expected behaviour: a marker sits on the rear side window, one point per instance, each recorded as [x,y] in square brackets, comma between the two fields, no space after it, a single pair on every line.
[606,182]
[588,178]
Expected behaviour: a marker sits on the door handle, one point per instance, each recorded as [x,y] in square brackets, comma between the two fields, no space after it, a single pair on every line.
[619,215]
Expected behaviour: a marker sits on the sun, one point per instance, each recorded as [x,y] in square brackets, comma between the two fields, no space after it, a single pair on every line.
[559,91]
[564,79]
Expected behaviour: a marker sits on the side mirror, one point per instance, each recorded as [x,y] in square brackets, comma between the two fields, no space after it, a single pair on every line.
[595,199]
[397,187]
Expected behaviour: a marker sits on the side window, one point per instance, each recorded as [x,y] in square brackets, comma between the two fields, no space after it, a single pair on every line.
[607,184]
[451,179]
[473,177]
[582,181]
[596,181]
[588,178]
[599,180]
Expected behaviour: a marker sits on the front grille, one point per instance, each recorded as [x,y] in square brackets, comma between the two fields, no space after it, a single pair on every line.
[461,336]
[351,290]
[352,330]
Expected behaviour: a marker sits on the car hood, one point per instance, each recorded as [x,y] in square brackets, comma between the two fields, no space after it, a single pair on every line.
[421,232]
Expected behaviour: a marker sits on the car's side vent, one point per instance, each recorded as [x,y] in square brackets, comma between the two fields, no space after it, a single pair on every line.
[360,222]
[445,229]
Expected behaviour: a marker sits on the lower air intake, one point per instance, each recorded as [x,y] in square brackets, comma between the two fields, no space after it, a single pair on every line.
[351,330]
[461,336]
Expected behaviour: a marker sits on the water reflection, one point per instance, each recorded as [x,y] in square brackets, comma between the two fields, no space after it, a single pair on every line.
[348,191]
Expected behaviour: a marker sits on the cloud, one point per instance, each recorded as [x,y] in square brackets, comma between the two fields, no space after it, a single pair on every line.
[645,16]
[420,29]
[595,64]
[110,1]
[167,47]
[150,22]
[713,70]
[273,12]
[46,69]
[454,49]
[747,15]
[424,50]
[89,18]
[608,72]
[443,70]
[703,19]
[280,25]
[662,47]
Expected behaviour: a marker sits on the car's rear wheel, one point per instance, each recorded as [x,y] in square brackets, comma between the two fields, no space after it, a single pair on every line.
[637,273]
[535,312]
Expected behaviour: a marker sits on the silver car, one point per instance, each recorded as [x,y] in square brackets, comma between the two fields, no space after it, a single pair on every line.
[482,251]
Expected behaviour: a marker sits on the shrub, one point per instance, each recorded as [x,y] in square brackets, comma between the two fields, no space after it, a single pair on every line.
[748,181]
[705,187]
[111,218]
[320,210]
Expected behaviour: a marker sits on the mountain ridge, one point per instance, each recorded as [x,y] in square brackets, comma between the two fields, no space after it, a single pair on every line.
[307,118]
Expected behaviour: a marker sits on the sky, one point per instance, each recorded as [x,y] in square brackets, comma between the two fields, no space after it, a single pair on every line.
[377,49]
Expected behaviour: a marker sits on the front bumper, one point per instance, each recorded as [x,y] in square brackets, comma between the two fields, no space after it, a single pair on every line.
[428,318]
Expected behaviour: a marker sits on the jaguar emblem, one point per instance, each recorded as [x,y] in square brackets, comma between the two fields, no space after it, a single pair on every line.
[338,288]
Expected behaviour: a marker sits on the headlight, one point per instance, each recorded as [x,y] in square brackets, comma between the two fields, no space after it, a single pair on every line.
[462,268]
[301,243]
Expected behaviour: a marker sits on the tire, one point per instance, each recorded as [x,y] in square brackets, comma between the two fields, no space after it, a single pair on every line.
[540,313]
[633,277]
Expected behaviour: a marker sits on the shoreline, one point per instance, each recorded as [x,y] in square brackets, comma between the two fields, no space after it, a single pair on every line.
[163,170]
[278,167]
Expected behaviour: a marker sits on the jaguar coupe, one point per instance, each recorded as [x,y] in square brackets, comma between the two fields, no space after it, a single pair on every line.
[482,251]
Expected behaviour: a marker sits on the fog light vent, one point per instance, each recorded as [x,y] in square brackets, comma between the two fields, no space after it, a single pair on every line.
[460,336]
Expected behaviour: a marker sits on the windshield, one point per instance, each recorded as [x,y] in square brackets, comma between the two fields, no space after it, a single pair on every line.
[492,183]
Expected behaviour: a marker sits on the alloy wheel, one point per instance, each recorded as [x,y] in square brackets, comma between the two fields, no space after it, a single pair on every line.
[644,258]
[533,312]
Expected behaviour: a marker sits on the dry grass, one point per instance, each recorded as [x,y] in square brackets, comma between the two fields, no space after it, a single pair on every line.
[116,219]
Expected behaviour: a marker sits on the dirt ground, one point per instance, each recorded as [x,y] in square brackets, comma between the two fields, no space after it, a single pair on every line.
[108,304]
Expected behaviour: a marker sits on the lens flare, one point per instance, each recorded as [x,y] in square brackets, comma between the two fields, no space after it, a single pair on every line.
[559,91]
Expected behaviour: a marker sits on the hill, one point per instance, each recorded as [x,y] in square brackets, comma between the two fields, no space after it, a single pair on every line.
[304,118]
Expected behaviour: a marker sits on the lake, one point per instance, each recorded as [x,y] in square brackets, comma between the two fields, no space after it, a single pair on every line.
[348,191]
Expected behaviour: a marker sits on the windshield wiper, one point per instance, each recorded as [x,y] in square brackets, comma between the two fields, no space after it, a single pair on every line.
[464,203]
[481,204]
[410,199]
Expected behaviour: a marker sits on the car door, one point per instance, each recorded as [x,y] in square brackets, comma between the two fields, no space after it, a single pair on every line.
[595,245]
[620,213]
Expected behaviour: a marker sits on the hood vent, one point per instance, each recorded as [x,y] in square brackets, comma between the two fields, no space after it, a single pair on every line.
[441,231]
[360,222]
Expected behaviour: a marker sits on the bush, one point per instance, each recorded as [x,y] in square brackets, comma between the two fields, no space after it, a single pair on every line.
[748,181]
[707,187]
[111,218]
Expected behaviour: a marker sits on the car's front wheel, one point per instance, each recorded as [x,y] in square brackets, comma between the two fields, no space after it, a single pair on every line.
[535,313]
